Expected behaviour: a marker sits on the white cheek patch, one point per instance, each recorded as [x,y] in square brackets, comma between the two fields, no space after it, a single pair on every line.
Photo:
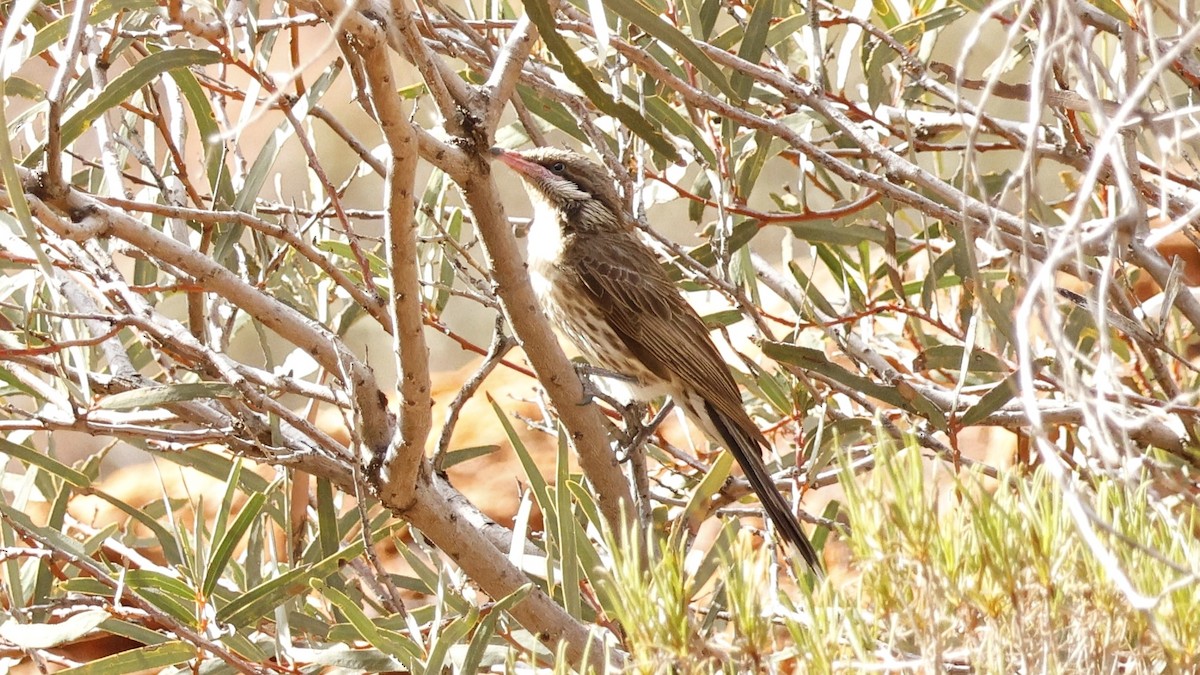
[574,193]
[562,190]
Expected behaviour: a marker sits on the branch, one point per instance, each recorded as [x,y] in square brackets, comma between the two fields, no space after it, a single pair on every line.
[509,62]
[584,424]
[404,457]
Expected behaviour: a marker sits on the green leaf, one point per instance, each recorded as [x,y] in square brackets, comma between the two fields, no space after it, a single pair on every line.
[774,390]
[914,29]
[467,454]
[647,20]
[786,28]
[709,486]
[260,170]
[752,163]
[327,523]
[45,463]
[50,635]
[54,538]
[722,319]
[57,31]
[827,232]
[977,6]
[217,171]
[566,530]
[223,550]
[395,644]
[709,11]
[166,541]
[446,272]
[936,277]
[537,482]
[992,401]
[19,86]
[878,80]
[812,290]
[675,123]
[552,111]
[816,362]
[226,508]
[124,85]
[1112,9]
[167,593]
[573,67]
[1000,314]
[753,43]
[886,13]
[588,558]
[450,637]
[149,658]
[741,235]
[261,600]
[157,396]
[379,266]
[133,632]
[487,627]
[821,532]
[950,357]
[702,188]
[427,579]
[218,466]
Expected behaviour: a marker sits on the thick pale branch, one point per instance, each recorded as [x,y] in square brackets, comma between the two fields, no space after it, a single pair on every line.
[509,62]
[405,454]
[588,433]
[488,566]
[98,219]
[448,91]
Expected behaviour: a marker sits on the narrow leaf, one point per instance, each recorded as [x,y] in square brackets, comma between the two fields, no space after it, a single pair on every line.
[390,642]
[576,71]
[487,628]
[45,463]
[153,397]
[49,635]
[753,43]
[950,357]
[650,22]
[223,550]
[150,658]
[709,486]
[991,401]
[124,85]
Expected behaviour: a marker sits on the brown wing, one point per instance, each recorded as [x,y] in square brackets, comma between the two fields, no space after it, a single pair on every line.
[647,312]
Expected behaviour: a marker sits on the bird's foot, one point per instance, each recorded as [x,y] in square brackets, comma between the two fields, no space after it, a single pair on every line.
[638,432]
[591,390]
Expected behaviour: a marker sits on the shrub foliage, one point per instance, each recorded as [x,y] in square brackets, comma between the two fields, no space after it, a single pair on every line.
[953,242]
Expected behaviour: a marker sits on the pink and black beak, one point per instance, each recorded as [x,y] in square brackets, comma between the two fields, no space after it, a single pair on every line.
[517,162]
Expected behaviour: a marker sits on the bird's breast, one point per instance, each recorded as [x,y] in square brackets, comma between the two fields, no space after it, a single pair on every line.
[571,310]
[545,249]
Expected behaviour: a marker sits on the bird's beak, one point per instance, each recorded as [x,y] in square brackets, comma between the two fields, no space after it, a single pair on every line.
[523,167]
[516,162]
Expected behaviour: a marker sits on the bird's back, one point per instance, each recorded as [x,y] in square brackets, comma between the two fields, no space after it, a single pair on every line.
[644,309]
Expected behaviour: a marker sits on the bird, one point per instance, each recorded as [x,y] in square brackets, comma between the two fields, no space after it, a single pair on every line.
[607,292]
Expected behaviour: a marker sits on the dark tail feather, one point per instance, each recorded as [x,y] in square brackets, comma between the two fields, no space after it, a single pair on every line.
[748,454]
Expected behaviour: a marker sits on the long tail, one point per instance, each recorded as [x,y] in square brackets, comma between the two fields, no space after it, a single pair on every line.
[747,452]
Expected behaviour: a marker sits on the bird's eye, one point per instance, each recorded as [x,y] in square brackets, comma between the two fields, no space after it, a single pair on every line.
[558,167]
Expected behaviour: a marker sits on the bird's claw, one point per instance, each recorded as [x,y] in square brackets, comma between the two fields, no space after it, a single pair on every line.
[638,432]
[588,373]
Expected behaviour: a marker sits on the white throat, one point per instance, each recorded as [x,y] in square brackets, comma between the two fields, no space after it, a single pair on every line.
[545,246]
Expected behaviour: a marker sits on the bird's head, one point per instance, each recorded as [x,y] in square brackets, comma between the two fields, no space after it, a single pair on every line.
[578,189]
